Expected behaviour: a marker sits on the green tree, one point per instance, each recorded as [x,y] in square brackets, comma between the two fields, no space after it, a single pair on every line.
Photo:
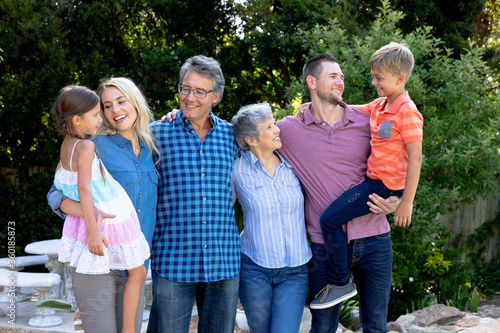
[32,69]
[488,25]
[47,45]
[452,21]
[168,33]
[460,105]
[265,55]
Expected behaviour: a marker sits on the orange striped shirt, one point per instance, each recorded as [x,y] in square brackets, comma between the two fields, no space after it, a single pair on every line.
[390,131]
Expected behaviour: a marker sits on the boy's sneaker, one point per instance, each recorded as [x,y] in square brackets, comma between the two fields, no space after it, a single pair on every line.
[332,295]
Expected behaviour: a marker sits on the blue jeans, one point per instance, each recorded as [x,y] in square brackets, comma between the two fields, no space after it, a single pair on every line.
[370,260]
[173,304]
[273,298]
[350,205]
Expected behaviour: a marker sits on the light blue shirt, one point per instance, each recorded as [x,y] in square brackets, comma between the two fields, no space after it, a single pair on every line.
[273,213]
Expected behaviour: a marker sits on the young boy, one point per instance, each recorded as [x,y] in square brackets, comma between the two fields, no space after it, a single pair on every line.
[393,166]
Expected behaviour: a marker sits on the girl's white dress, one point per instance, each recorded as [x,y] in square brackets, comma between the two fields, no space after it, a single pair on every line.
[128,247]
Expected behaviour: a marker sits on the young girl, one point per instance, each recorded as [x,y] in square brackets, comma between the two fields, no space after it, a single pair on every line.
[116,243]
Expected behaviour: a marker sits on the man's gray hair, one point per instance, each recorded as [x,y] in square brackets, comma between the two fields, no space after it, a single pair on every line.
[247,119]
[207,67]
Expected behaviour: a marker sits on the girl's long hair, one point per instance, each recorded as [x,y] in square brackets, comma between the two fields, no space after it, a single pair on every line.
[72,101]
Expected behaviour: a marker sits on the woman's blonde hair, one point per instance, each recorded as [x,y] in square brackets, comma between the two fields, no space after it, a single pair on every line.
[135,96]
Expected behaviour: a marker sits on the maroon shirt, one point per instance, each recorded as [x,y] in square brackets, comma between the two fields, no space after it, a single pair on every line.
[329,161]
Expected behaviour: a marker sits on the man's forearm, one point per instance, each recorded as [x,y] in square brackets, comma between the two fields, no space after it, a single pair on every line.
[62,205]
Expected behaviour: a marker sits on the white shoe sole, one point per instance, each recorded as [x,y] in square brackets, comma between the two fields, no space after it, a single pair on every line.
[77,323]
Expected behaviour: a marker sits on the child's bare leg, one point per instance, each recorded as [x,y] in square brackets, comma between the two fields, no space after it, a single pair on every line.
[131,296]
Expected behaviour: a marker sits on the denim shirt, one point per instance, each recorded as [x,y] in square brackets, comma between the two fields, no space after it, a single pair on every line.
[137,175]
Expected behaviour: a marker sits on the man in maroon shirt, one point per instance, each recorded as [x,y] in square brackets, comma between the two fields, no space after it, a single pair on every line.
[328,150]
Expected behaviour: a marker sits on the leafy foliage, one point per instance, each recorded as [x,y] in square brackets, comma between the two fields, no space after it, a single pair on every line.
[454,22]
[266,54]
[456,290]
[34,220]
[33,44]
[487,277]
[488,25]
[346,309]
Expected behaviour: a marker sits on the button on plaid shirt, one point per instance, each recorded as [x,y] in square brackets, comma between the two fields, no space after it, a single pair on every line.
[196,238]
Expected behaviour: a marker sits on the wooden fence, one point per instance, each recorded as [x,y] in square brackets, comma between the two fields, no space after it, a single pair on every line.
[10,173]
[467,219]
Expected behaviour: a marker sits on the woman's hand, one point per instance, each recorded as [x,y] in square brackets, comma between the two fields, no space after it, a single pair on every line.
[170,116]
[300,110]
[383,206]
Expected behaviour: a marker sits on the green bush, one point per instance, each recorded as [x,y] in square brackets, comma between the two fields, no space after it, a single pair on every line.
[460,103]
[34,220]
[455,289]
[487,277]
[345,312]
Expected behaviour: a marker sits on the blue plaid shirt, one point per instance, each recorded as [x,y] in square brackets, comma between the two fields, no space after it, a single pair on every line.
[196,238]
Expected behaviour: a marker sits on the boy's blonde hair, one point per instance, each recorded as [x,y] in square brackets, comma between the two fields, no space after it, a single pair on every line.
[135,96]
[395,58]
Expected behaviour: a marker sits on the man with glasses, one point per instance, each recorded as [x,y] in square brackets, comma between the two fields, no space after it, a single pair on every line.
[196,250]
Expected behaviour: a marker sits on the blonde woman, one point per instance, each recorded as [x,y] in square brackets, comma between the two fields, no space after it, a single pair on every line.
[126,149]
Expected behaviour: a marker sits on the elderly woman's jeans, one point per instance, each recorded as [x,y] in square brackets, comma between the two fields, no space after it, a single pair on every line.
[370,260]
[273,298]
[100,301]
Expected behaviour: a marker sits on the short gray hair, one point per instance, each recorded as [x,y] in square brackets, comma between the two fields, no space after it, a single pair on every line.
[247,119]
[207,67]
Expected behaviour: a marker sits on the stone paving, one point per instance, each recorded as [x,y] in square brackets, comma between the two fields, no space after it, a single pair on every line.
[436,319]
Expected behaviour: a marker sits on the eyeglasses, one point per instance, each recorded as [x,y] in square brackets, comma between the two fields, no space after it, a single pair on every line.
[199,93]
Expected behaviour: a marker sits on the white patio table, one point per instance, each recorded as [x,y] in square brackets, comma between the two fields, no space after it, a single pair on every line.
[64,291]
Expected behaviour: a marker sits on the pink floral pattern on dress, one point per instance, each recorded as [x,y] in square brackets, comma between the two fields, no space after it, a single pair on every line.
[128,247]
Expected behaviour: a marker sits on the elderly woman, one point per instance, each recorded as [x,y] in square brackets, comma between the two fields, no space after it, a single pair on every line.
[274,247]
